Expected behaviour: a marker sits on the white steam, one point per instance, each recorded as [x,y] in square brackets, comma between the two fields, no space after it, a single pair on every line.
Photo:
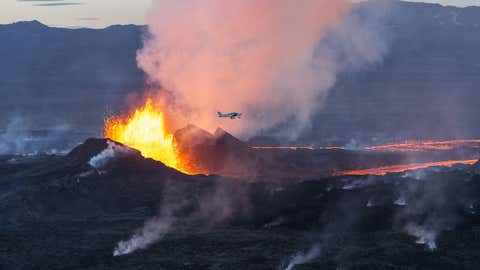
[113,150]
[215,206]
[425,236]
[302,258]
[12,139]
[20,138]
[152,231]
[255,57]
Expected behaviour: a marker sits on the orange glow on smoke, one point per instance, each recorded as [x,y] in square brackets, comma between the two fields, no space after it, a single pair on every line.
[146,131]
[420,146]
[407,167]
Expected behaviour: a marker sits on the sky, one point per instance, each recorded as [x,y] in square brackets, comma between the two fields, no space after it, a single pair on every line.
[102,13]
[75,13]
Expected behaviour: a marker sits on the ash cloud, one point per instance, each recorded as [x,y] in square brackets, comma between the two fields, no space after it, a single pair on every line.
[273,61]
[258,58]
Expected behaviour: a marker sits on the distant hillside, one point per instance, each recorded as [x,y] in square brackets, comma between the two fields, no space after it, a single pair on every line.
[426,86]
[78,72]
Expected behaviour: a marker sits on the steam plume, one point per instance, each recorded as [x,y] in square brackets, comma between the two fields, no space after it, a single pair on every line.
[302,258]
[250,56]
[218,205]
[152,231]
[110,152]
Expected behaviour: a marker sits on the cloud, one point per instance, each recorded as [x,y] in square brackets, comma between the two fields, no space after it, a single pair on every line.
[57,4]
[40,0]
[89,19]
[51,3]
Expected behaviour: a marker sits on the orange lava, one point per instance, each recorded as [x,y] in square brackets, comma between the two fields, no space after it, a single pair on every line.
[146,131]
[407,167]
[294,148]
[420,146]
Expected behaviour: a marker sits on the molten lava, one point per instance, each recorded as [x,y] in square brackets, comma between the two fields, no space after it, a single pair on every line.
[295,148]
[146,131]
[421,146]
[407,167]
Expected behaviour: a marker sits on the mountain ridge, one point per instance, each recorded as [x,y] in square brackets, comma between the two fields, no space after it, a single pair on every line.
[425,67]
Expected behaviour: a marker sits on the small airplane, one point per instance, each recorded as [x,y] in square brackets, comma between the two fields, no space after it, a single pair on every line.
[232,115]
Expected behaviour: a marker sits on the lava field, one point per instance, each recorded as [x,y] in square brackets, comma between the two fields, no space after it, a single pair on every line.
[104,206]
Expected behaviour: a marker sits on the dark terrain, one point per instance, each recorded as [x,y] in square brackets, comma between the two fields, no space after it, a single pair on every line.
[60,212]
[258,209]
[223,154]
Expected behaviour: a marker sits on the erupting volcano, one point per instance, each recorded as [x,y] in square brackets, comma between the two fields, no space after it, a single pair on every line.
[254,134]
[146,131]
[192,150]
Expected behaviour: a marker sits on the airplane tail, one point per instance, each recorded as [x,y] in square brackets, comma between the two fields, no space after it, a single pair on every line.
[219,114]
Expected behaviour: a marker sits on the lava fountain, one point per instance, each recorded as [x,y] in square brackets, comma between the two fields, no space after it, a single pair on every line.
[146,130]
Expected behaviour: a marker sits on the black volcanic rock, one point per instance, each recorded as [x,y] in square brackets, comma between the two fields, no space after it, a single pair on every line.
[116,158]
[476,167]
[60,212]
[224,154]
[90,148]
[191,135]
[97,177]
[69,222]
[220,153]
[227,140]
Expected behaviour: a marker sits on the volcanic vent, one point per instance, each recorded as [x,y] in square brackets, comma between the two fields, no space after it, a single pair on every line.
[146,130]
[190,150]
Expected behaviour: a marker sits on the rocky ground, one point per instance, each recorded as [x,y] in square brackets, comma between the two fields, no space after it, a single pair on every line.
[76,211]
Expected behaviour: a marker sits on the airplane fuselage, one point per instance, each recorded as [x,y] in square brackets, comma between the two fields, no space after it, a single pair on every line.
[232,115]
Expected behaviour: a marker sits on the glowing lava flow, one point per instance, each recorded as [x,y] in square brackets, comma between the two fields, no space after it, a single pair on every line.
[294,148]
[407,146]
[407,167]
[146,131]
[418,146]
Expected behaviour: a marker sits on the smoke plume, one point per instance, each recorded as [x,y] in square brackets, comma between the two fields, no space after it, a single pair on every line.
[301,258]
[152,231]
[249,56]
[113,150]
[218,204]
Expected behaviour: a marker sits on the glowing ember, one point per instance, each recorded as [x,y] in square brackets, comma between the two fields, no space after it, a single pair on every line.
[146,131]
[407,167]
